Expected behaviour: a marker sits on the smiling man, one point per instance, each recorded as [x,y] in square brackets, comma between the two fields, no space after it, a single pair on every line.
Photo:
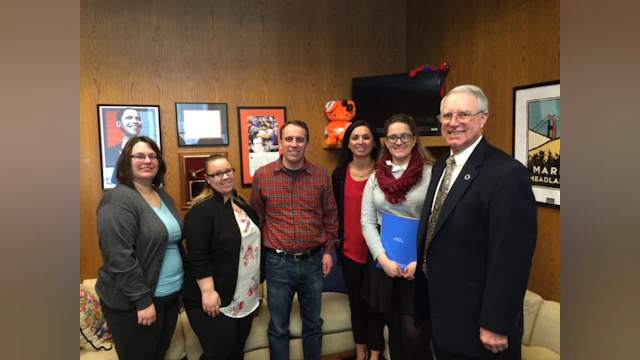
[476,239]
[299,222]
[129,122]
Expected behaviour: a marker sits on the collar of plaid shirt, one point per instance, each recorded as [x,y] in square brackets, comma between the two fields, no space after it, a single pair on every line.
[299,212]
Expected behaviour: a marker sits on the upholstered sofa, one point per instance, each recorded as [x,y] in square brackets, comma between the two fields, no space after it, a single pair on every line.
[337,335]
[541,339]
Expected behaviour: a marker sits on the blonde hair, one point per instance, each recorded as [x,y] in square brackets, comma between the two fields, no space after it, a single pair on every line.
[207,192]
[426,156]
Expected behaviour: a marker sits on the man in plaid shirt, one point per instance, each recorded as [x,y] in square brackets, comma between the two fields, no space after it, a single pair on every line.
[299,223]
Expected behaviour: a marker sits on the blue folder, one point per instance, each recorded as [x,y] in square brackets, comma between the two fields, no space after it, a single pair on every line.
[398,235]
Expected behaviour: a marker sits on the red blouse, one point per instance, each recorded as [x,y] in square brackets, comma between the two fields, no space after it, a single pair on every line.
[355,247]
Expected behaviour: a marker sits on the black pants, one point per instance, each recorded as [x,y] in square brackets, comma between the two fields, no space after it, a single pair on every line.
[221,337]
[405,340]
[364,330]
[138,342]
[513,352]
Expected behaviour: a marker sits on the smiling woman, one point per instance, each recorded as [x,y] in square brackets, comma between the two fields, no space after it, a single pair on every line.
[140,237]
[397,188]
[223,238]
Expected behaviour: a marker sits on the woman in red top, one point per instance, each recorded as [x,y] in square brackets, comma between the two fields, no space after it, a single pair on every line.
[360,149]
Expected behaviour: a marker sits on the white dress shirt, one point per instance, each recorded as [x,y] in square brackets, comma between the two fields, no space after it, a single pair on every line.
[461,159]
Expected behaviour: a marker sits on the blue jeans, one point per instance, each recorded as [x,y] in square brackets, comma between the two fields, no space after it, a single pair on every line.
[285,277]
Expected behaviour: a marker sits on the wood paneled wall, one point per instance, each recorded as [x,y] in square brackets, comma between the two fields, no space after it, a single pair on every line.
[299,54]
[497,45]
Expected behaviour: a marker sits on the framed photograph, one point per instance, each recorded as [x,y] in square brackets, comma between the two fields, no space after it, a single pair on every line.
[192,175]
[202,124]
[259,129]
[119,123]
[536,141]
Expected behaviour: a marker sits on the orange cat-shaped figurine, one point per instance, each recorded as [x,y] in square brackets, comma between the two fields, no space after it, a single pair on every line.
[340,113]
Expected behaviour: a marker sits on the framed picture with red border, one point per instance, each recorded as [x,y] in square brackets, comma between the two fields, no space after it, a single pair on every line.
[259,128]
[192,171]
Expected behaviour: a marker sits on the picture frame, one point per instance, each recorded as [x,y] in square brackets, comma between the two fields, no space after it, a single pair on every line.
[202,124]
[192,171]
[118,123]
[536,139]
[259,127]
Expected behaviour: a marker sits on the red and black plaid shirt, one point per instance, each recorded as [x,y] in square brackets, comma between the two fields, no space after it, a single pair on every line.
[297,213]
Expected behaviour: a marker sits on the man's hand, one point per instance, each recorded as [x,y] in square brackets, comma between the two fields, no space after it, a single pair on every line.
[147,316]
[410,271]
[327,264]
[211,303]
[493,342]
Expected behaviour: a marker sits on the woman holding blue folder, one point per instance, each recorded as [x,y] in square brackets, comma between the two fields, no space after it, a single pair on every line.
[360,149]
[398,188]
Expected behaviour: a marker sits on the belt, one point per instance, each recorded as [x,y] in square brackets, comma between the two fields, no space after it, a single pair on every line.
[297,256]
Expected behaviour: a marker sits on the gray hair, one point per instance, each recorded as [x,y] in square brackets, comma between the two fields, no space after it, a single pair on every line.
[483,103]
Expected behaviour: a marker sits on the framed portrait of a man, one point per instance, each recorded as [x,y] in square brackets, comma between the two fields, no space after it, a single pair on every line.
[118,124]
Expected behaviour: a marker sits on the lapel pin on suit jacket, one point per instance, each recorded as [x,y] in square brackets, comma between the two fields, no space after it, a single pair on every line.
[467,177]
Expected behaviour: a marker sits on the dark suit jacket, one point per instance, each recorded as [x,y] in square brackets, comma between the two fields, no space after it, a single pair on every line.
[213,247]
[480,256]
[112,154]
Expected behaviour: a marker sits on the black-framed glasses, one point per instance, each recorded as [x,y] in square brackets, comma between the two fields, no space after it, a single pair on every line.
[141,157]
[219,175]
[405,138]
[461,116]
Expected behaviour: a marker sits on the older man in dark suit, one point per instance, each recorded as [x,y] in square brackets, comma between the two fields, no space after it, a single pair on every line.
[476,239]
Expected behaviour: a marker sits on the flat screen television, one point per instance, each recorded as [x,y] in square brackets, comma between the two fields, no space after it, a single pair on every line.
[379,97]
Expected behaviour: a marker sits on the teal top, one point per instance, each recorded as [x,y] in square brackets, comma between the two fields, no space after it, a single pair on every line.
[172,272]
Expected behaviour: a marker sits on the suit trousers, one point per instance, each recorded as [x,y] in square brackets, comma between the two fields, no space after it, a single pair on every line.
[138,342]
[513,352]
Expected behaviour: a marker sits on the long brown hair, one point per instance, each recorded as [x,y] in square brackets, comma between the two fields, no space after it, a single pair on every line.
[426,156]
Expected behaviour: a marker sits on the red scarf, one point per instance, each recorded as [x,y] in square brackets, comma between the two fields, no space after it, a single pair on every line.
[396,189]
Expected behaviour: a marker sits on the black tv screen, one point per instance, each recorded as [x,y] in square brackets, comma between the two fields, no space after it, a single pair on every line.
[379,97]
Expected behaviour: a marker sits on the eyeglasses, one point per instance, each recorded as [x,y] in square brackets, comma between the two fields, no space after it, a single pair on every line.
[142,157]
[219,175]
[405,138]
[461,116]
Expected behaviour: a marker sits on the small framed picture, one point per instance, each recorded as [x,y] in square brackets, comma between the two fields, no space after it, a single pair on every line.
[192,175]
[202,124]
[259,128]
[119,123]
[536,141]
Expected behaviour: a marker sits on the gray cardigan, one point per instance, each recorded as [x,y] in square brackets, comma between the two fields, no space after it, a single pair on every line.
[373,202]
[132,240]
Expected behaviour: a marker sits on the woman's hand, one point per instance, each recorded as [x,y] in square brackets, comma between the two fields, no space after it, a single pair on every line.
[410,271]
[390,267]
[147,316]
[211,303]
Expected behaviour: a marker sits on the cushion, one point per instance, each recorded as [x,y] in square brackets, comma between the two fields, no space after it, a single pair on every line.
[538,353]
[546,332]
[531,306]
[258,336]
[334,282]
[335,313]
[90,286]
[94,333]
[176,349]
[192,347]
